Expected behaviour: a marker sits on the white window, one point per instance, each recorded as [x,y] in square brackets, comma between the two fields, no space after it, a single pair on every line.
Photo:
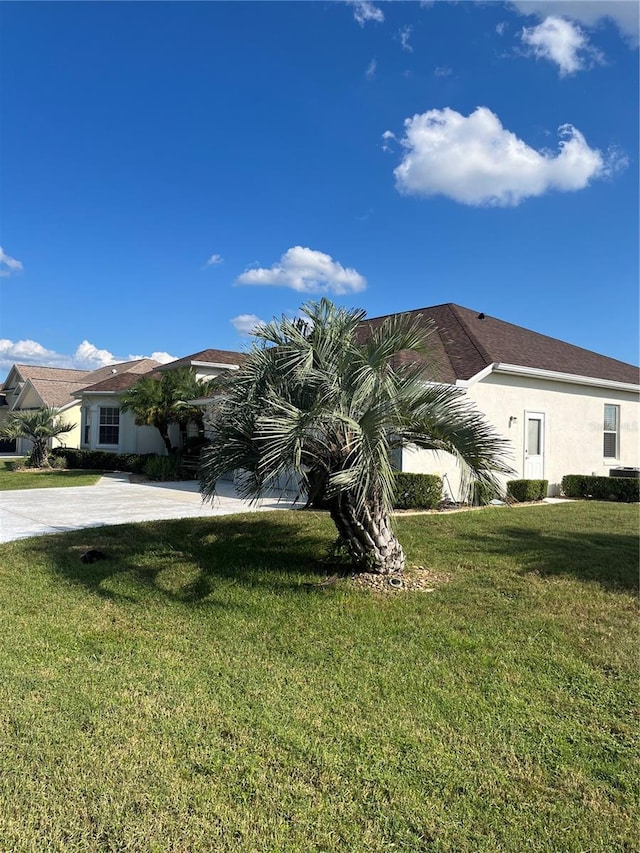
[109,425]
[86,425]
[611,431]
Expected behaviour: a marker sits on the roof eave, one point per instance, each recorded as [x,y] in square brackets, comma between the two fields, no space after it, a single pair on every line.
[171,365]
[551,375]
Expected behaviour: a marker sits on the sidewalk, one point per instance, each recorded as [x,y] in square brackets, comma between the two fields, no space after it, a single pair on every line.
[114,500]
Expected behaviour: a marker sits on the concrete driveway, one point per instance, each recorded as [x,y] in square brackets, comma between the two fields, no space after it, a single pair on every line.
[114,500]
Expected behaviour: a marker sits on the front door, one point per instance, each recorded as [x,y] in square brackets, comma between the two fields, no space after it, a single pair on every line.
[534,446]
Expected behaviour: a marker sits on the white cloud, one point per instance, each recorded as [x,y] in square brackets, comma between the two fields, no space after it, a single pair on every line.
[562,42]
[387,137]
[443,71]
[8,265]
[214,259]
[89,356]
[370,73]
[246,324]
[501,27]
[474,160]
[86,356]
[364,10]
[306,271]
[405,34]
[624,13]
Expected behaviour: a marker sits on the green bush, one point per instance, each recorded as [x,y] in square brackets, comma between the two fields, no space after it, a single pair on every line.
[57,462]
[483,494]
[527,490]
[620,489]
[102,460]
[162,468]
[417,491]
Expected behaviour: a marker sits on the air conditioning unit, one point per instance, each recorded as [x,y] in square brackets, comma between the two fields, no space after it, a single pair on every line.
[624,472]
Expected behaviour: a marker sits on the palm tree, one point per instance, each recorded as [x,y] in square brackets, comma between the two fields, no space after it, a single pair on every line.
[162,398]
[39,426]
[320,396]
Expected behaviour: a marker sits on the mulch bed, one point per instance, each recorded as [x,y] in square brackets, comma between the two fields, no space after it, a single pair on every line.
[413,579]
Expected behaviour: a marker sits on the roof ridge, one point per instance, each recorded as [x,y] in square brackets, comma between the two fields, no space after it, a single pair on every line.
[472,338]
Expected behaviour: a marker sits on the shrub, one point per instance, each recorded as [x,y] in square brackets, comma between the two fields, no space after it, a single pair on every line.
[483,494]
[620,489]
[417,491]
[162,468]
[17,464]
[102,460]
[527,490]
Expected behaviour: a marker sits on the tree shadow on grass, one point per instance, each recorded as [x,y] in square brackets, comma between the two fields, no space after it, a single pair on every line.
[187,559]
[609,559]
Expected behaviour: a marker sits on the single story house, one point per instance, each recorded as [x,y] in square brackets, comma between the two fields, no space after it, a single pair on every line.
[564,409]
[34,387]
[103,426]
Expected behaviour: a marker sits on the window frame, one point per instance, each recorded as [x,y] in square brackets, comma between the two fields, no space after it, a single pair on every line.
[85,426]
[109,425]
[611,432]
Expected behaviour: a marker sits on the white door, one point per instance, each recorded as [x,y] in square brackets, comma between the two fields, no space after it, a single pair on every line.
[534,446]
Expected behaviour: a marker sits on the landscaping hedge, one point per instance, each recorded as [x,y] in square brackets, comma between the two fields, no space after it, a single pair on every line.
[621,489]
[102,460]
[527,490]
[417,491]
[483,494]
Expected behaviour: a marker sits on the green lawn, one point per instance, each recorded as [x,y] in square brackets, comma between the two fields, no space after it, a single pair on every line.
[192,692]
[38,479]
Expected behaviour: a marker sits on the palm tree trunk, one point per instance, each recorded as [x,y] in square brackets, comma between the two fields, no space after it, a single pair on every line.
[367,533]
[39,456]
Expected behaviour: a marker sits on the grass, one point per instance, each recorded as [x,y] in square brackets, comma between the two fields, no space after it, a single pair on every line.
[192,692]
[43,479]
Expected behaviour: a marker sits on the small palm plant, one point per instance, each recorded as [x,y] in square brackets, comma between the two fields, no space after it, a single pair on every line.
[162,398]
[318,397]
[39,426]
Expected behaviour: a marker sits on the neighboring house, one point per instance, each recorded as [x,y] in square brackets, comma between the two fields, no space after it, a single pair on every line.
[33,387]
[564,410]
[30,386]
[208,363]
[105,427]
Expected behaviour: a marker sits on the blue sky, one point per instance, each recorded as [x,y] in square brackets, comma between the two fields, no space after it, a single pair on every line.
[173,173]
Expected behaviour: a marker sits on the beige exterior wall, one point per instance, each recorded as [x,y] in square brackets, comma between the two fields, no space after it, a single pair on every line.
[574,428]
[70,416]
[132,438]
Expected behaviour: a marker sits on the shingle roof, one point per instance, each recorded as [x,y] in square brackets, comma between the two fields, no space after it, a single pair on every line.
[138,366]
[58,386]
[118,377]
[210,356]
[117,382]
[54,392]
[466,341]
[36,371]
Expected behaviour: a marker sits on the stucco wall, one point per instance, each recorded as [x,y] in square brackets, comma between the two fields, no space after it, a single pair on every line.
[70,439]
[132,439]
[574,427]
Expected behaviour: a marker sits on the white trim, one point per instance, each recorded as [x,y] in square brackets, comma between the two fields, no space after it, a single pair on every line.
[214,364]
[530,415]
[551,375]
[467,383]
[68,405]
[170,365]
[25,387]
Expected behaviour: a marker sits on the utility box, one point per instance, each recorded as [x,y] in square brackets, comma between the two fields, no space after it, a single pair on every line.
[624,472]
